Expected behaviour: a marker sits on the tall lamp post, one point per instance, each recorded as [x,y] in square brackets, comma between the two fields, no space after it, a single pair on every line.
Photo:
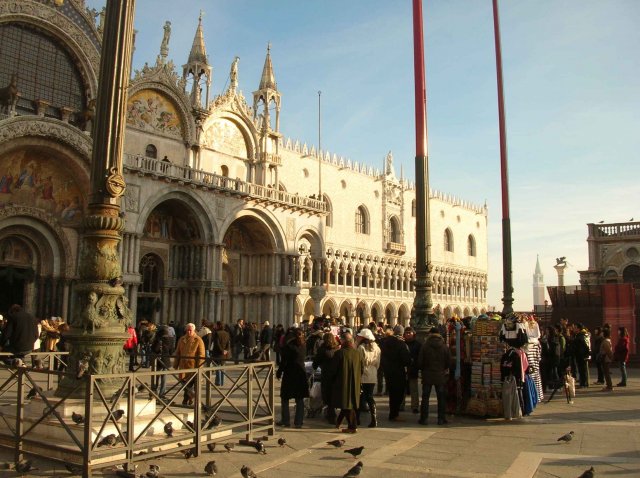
[423,315]
[507,281]
[100,311]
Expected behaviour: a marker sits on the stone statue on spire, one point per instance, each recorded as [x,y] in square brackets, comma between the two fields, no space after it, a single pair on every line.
[164,46]
[388,169]
[233,75]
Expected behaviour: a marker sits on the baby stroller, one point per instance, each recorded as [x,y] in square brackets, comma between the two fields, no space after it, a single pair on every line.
[313,405]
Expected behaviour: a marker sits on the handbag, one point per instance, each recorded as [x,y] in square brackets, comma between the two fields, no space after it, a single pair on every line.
[316,390]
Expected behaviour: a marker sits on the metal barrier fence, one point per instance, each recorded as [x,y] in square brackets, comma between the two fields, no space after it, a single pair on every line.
[210,404]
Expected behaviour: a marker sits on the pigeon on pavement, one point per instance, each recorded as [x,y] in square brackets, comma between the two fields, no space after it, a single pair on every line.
[32,393]
[77,418]
[24,466]
[260,448]
[247,472]
[109,440]
[73,469]
[354,471]
[355,452]
[168,429]
[211,447]
[336,443]
[566,438]
[590,473]
[154,472]
[228,447]
[211,468]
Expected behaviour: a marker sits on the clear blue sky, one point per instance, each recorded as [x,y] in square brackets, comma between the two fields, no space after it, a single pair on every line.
[571,73]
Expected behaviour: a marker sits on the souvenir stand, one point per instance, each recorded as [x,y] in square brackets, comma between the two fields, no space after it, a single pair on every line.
[458,336]
[520,365]
[486,352]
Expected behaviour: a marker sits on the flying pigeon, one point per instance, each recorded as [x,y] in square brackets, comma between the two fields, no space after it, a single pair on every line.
[77,418]
[354,471]
[109,440]
[567,438]
[211,468]
[355,452]
[590,473]
[247,472]
[336,443]
[168,429]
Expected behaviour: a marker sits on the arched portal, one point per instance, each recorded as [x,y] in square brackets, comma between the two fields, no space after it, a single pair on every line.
[404,315]
[249,262]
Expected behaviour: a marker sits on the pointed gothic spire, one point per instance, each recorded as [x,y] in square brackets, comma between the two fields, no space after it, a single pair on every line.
[198,52]
[538,269]
[268,79]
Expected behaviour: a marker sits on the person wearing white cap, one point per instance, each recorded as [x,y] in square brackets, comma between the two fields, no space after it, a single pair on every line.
[370,356]
[266,336]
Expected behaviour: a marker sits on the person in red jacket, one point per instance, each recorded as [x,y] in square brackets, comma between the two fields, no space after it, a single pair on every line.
[621,354]
[131,345]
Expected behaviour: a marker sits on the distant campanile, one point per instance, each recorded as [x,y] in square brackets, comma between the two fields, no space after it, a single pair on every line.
[538,287]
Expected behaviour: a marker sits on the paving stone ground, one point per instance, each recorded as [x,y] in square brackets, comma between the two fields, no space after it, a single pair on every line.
[606,426]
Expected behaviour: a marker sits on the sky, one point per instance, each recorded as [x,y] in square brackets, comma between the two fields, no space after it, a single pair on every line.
[572,100]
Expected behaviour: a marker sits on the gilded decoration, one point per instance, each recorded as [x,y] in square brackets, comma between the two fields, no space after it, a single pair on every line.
[224,135]
[154,112]
[35,179]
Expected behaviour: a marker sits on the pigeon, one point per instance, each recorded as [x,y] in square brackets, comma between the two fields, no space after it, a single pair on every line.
[73,469]
[141,388]
[282,442]
[154,472]
[211,469]
[590,473]
[207,410]
[567,438]
[191,425]
[126,474]
[109,440]
[336,443]
[77,418]
[355,452]
[216,421]
[118,414]
[247,472]
[24,466]
[260,448]
[354,471]
[228,447]
[168,429]
[33,392]
[600,222]
[211,447]
[191,452]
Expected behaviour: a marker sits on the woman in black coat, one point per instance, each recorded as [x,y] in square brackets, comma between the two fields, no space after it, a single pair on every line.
[294,378]
[325,360]
[163,347]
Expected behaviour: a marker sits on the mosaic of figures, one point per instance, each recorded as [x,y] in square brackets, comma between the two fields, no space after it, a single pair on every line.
[151,111]
[35,178]
[163,223]
[224,136]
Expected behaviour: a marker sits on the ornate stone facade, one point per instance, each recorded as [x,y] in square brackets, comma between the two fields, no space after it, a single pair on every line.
[222,216]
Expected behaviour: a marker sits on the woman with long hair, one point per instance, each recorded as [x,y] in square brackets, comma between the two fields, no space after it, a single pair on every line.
[370,356]
[621,354]
[294,377]
[324,359]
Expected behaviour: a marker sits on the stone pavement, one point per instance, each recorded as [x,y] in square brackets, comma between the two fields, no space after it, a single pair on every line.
[606,426]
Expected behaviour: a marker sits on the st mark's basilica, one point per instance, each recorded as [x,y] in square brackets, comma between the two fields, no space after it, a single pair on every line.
[226,217]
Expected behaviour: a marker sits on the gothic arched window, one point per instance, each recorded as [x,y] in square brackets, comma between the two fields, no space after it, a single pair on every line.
[471,245]
[151,151]
[448,240]
[328,220]
[362,220]
[394,230]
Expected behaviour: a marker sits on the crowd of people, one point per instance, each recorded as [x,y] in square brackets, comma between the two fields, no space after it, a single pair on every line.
[572,347]
[354,364]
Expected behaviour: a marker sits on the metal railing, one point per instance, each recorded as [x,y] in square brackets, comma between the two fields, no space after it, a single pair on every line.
[201,410]
[224,184]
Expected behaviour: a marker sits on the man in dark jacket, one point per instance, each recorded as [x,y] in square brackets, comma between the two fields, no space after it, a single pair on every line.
[346,383]
[220,349]
[266,336]
[164,344]
[413,369]
[20,333]
[237,339]
[395,359]
[582,352]
[434,361]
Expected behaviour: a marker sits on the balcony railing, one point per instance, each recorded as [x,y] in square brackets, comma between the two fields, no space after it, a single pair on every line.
[270,158]
[250,192]
[621,230]
[395,248]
